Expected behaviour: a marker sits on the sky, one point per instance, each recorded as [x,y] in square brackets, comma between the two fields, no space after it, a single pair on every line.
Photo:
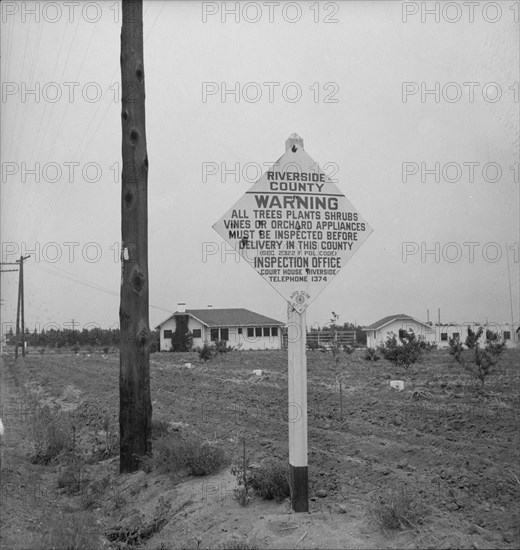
[412,112]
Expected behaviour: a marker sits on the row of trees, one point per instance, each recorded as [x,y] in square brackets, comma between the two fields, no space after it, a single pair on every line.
[59,338]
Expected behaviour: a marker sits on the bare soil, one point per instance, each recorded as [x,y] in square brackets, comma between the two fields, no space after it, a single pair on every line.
[450,447]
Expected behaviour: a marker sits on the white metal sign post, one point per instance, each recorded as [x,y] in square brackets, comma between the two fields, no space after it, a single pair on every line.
[297,230]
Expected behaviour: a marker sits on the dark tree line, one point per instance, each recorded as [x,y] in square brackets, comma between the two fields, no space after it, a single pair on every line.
[59,338]
[68,337]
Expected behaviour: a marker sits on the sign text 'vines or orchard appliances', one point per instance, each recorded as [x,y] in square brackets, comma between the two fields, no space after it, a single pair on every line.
[295,227]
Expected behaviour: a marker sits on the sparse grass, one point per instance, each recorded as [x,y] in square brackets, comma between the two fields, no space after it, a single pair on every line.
[53,435]
[371,354]
[159,427]
[397,509]
[172,454]
[77,531]
[202,458]
[93,492]
[271,480]
[243,478]
[72,478]
[125,536]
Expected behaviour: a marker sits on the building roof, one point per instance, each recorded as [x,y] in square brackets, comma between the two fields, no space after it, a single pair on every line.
[397,317]
[241,317]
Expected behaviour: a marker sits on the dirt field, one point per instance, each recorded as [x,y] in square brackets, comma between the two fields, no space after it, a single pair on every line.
[452,449]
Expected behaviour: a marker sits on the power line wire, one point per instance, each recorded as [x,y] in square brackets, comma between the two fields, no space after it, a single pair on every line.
[85,282]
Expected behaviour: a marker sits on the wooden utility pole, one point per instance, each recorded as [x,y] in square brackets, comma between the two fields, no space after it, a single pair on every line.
[73,323]
[17,336]
[1,303]
[22,258]
[135,407]
[20,309]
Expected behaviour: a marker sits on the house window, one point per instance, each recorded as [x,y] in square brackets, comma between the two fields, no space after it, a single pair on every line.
[267,332]
[444,336]
[274,331]
[402,333]
[258,331]
[214,334]
[239,330]
[250,332]
[224,334]
[507,335]
[168,333]
[456,335]
[197,333]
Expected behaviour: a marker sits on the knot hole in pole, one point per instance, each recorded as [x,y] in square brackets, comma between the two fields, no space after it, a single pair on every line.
[134,137]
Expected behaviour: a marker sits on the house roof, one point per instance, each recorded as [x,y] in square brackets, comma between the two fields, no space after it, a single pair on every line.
[397,317]
[213,317]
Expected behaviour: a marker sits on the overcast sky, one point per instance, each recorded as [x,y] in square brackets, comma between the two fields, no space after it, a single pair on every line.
[379,91]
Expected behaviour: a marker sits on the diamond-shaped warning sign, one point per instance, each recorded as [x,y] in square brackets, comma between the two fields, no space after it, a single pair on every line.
[295,227]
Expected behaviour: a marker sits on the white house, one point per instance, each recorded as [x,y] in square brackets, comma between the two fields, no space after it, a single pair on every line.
[440,333]
[239,327]
[445,331]
[378,332]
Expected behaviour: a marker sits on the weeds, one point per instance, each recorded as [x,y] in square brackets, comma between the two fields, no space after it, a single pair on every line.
[205,352]
[159,428]
[241,491]
[71,478]
[399,509]
[271,480]
[53,435]
[196,457]
[371,355]
[93,493]
[204,459]
[77,531]
[125,536]
[110,446]
[221,346]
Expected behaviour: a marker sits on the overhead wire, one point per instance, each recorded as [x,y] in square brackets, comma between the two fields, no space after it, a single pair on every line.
[83,281]
[60,186]
[20,148]
[18,102]
[58,193]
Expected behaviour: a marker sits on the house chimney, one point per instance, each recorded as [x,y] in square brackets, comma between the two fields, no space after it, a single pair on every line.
[428,316]
[181,307]
[210,306]
[439,315]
